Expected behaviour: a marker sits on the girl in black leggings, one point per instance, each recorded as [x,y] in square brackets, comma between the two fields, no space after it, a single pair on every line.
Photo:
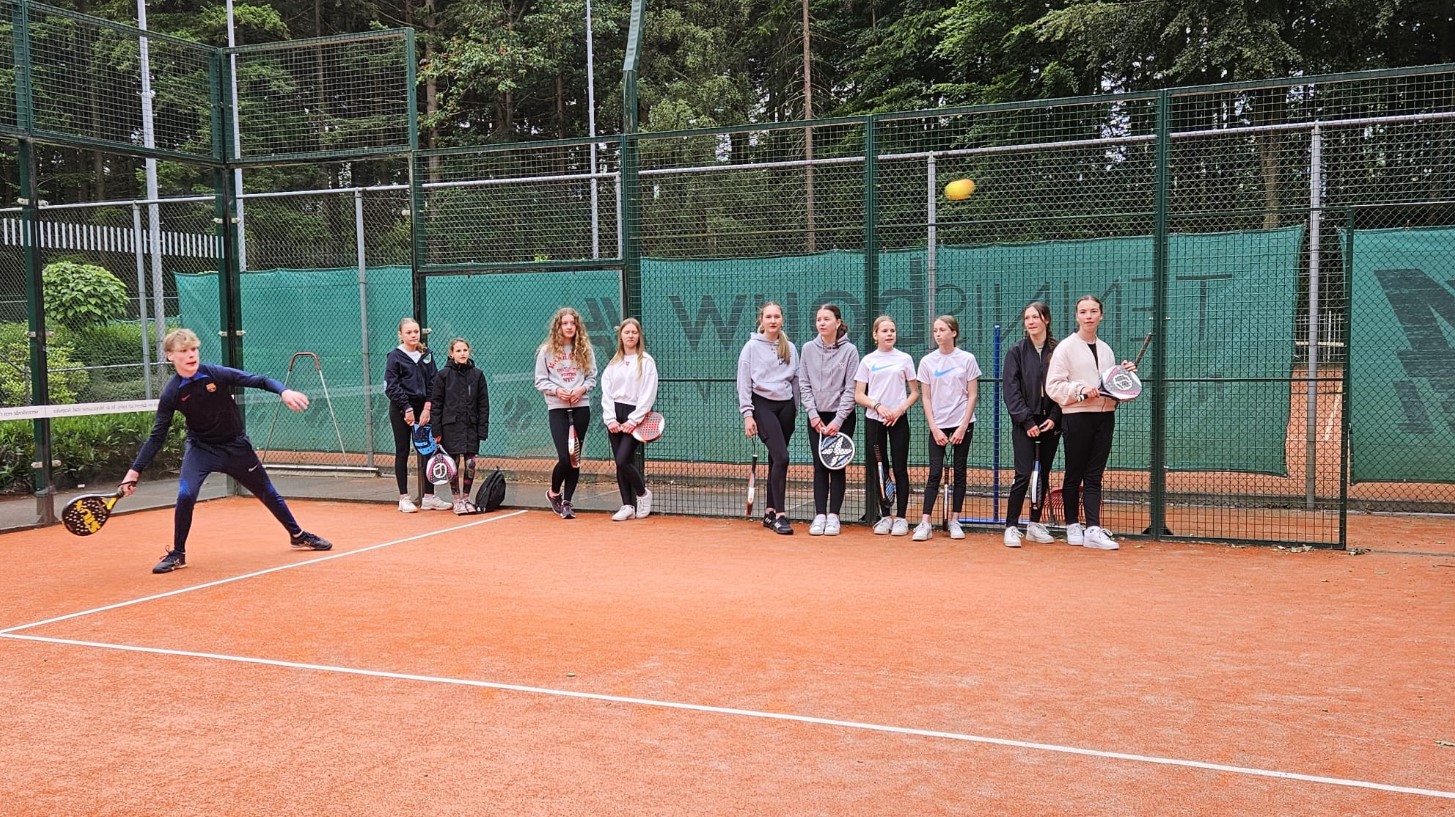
[1035,421]
[409,372]
[565,374]
[767,391]
[886,385]
[628,392]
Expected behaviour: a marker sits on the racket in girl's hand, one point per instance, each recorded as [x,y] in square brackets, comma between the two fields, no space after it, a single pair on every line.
[85,515]
[424,442]
[650,428]
[886,488]
[836,452]
[573,441]
[752,484]
[1120,383]
[440,468]
[1036,479]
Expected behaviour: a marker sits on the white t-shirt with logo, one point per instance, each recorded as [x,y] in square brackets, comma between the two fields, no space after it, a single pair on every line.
[948,377]
[885,375]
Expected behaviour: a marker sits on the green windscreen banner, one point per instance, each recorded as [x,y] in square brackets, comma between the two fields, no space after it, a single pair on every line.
[1402,356]
[1231,299]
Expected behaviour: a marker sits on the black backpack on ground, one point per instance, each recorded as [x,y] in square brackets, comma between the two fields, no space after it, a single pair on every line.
[491,494]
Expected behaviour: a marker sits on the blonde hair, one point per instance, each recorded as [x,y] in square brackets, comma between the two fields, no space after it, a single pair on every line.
[953,323]
[874,329]
[453,341]
[785,348]
[641,344]
[180,339]
[580,347]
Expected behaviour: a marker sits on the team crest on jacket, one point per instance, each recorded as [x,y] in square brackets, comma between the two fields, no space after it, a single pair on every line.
[212,387]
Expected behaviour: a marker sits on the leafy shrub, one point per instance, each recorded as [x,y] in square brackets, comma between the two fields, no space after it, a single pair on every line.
[80,295]
[114,350]
[15,368]
[93,449]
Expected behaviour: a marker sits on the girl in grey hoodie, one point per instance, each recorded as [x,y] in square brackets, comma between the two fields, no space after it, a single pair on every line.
[826,384]
[767,390]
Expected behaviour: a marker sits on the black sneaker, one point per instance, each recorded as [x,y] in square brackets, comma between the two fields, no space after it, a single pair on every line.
[174,560]
[769,518]
[782,527]
[558,504]
[567,512]
[310,541]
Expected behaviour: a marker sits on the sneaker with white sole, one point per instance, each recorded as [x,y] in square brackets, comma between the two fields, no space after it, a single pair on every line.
[434,503]
[463,508]
[624,513]
[831,525]
[1036,532]
[956,532]
[816,527]
[644,504]
[1012,537]
[558,503]
[901,527]
[407,506]
[923,531]
[174,560]
[1075,534]
[883,526]
[567,512]
[1099,539]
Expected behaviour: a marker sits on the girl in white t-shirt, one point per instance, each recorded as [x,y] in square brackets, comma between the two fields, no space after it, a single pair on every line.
[951,386]
[628,391]
[885,384]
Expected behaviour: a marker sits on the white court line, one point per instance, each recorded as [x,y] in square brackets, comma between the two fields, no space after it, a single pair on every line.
[750,713]
[288,566]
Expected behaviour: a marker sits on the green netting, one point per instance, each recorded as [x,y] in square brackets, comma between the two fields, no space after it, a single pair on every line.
[1402,354]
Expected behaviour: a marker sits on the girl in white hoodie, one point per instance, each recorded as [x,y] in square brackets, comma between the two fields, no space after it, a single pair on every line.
[767,389]
[565,374]
[1073,379]
[628,391]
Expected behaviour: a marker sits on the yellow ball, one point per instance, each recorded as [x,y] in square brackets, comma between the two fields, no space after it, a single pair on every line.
[960,189]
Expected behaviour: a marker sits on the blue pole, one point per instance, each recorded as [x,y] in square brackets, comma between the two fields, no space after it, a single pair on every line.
[995,427]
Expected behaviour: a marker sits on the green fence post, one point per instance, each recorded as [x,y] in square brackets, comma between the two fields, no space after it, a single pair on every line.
[43,471]
[1346,425]
[871,290]
[1157,456]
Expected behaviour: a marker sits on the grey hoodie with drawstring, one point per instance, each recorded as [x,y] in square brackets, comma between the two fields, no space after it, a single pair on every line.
[761,371]
[826,377]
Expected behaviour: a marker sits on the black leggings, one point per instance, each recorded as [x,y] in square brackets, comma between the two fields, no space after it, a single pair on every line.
[564,473]
[1088,446]
[828,484]
[961,458]
[896,455]
[1025,463]
[629,480]
[404,445]
[775,428]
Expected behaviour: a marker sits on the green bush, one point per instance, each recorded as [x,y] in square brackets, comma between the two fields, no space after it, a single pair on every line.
[81,295]
[92,450]
[15,368]
[115,350]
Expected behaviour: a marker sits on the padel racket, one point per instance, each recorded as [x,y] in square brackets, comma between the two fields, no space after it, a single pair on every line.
[1036,479]
[886,490]
[85,515]
[836,452]
[573,441]
[650,428]
[945,506]
[424,441]
[752,484]
[440,468]
[1119,383]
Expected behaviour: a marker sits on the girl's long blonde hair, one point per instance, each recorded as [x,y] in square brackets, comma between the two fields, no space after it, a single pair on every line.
[641,344]
[785,348]
[556,342]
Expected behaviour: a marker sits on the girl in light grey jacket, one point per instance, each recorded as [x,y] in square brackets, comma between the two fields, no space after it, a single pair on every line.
[826,384]
[565,374]
[767,393]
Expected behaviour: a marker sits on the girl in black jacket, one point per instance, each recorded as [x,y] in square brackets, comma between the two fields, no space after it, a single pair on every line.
[409,370]
[461,404]
[1034,418]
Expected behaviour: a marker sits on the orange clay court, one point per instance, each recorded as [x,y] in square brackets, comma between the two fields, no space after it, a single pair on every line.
[518,664]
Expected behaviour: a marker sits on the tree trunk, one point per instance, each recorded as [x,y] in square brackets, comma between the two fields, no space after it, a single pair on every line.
[1267,105]
[812,237]
[431,91]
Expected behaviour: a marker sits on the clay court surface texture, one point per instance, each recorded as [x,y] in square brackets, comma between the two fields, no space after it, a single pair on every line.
[520,664]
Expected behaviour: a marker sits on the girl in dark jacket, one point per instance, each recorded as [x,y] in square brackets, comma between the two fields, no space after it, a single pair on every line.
[461,405]
[1035,418]
[409,371]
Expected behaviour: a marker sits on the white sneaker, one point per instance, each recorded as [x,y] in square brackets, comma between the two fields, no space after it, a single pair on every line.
[1099,539]
[956,532]
[820,522]
[901,527]
[407,506]
[831,527]
[1036,532]
[883,526]
[434,503]
[1012,537]
[624,513]
[461,508]
[644,504]
[1075,534]
[923,531]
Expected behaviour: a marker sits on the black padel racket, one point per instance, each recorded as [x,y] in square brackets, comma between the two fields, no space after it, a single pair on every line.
[86,514]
